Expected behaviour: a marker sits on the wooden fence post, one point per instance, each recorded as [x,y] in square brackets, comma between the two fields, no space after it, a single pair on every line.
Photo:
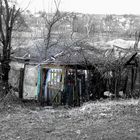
[76,84]
[21,83]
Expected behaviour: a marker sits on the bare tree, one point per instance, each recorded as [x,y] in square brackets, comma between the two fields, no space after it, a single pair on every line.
[8,15]
[51,21]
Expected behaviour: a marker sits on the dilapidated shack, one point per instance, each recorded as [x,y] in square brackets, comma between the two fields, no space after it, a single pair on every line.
[61,79]
[77,74]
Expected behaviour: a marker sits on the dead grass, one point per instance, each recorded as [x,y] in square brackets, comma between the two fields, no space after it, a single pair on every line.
[92,121]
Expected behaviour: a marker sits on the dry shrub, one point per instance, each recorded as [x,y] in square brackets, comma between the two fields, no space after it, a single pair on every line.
[10,102]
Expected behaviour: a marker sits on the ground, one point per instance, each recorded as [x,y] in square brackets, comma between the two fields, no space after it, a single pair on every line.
[100,120]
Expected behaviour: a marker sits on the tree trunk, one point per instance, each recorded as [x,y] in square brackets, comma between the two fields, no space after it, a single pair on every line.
[5,73]
[8,16]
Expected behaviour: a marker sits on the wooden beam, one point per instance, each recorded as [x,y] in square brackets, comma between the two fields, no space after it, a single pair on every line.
[76,87]
[132,80]
[133,56]
[21,80]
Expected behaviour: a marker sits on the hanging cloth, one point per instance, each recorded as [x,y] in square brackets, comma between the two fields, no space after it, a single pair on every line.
[46,85]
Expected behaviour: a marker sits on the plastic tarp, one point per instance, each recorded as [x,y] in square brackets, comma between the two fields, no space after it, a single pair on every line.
[30,82]
[14,74]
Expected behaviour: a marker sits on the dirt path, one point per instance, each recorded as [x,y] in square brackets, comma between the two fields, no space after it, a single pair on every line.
[97,120]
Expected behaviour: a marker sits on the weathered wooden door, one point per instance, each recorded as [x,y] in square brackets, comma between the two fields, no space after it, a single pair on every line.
[54,86]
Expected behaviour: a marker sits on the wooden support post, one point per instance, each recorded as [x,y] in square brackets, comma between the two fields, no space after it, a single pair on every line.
[65,98]
[135,77]
[115,80]
[88,84]
[125,83]
[139,76]
[21,83]
[76,87]
[132,81]
[115,88]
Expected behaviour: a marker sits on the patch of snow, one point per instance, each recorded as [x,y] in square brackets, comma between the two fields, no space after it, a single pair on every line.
[121,43]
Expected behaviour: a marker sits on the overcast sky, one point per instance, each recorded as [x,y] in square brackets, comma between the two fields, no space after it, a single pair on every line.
[85,6]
